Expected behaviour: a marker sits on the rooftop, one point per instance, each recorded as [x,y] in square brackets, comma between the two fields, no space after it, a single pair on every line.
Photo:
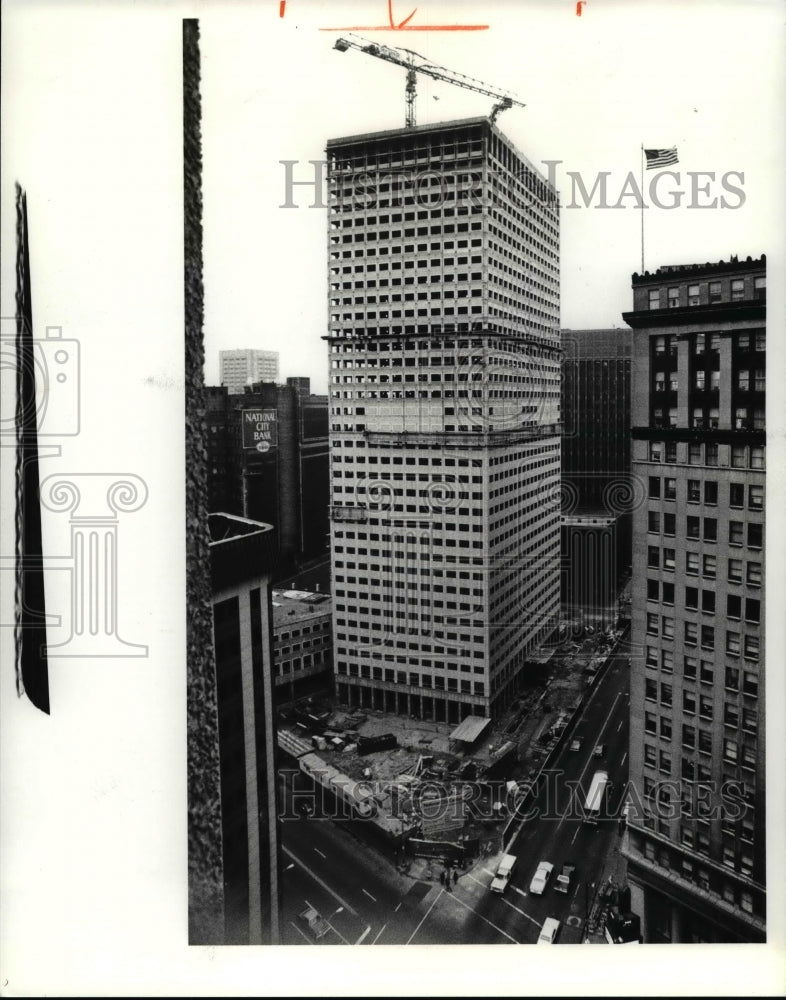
[240,549]
[693,270]
[290,606]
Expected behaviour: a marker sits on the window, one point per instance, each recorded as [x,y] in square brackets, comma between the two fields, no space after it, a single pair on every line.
[734,606]
[738,457]
[655,487]
[699,343]
[650,689]
[667,661]
[665,762]
[668,558]
[693,295]
[755,497]
[653,521]
[707,672]
[710,529]
[692,563]
[732,681]
[705,741]
[667,625]
[650,758]
[708,566]
[652,624]
[688,737]
[755,536]
[737,289]
[694,454]
[653,556]
[666,695]
[689,665]
[652,656]
[655,450]
[669,524]
[759,288]
[707,637]
[673,298]
[715,291]
[735,571]
[692,598]
[751,647]
[705,706]
[733,643]
[653,590]
[753,577]
[708,602]
[654,298]
[711,492]
[668,593]
[711,454]
[757,456]
[670,489]
[691,633]
[750,683]
[689,702]
[694,491]
[700,378]
[752,610]
[743,379]
[735,532]
[650,723]
[730,751]
[736,495]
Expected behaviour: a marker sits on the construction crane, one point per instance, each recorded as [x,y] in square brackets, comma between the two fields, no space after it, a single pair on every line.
[415,63]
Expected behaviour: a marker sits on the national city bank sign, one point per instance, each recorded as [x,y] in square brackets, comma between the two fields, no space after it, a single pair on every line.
[260,430]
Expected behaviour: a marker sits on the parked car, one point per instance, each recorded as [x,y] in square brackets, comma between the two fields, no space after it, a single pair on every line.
[564,880]
[541,877]
[576,744]
[549,931]
[600,750]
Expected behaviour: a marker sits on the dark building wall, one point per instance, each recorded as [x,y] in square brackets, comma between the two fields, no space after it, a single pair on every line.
[596,400]
[287,486]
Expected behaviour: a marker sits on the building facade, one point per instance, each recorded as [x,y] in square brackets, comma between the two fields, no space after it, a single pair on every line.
[696,852]
[268,460]
[598,491]
[302,643]
[443,260]
[241,557]
[240,368]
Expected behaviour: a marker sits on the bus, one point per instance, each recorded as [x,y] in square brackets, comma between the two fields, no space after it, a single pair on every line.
[596,797]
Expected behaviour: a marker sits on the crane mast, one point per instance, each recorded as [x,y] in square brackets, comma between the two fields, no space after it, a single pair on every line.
[415,63]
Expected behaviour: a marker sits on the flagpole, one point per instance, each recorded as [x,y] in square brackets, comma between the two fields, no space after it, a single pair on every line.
[642,208]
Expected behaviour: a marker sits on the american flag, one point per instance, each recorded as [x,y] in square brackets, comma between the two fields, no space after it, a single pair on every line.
[661,157]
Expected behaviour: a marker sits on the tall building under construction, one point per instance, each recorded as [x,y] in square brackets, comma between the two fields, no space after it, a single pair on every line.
[444,341]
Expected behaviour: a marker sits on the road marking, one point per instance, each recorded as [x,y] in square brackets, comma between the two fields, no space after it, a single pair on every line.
[338,932]
[372,898]
[379,935]
[573,839]
[308,939]
[521,892]
[477,880]
[498,929]
[620,725]
[319,881]
[487,872]
[396,909]
[535,922]
[625,757]
[317,850]
[425,915]
[363,935]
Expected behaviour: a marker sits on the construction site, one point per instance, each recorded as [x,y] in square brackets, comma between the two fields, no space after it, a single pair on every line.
[439,790]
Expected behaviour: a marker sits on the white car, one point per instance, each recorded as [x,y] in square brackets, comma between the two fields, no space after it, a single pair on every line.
[540,878]
[549,931]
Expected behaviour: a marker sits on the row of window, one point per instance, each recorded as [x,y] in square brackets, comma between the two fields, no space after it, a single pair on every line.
[715,294]
[412,679]
[704,600]
[704,380]
[695,634]
[693,669]
[741,456]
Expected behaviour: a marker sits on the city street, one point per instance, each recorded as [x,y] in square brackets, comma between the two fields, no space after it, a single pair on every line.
[367,901]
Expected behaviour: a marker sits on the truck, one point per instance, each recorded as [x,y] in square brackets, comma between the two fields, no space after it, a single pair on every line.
[565,878]
[504,873]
